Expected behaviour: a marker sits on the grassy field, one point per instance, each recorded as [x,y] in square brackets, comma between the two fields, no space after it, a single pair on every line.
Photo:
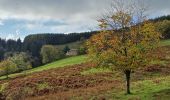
[61,63]
[165,42]
[153,89]
[57,64]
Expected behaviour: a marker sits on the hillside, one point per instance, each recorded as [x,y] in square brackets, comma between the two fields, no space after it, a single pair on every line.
[67,61]
[85,81]
[74,82]
[85,50]
[56,64]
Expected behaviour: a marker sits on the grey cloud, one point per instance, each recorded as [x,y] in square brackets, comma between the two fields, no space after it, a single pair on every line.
[73,15]
[50,8]
[158,7]
[64,9]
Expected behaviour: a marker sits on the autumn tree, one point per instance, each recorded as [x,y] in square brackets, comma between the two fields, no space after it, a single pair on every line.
[125,40]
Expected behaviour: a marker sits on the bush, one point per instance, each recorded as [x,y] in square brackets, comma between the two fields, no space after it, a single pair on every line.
[50,53]
[66,49]
[7,67]
[82,50]
[36,62]
[15,63]
[163,27]
[22,60]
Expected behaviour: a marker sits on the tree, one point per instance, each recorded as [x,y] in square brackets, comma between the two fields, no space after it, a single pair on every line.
[50,53]
[2,51]
[81,50]
[66,49]
[163,27]
[22,61]
[16,62]
[19,45]
[126,39]
[34,43]
[7,67]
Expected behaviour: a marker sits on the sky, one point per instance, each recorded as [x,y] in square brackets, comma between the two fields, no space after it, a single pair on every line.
[19,18]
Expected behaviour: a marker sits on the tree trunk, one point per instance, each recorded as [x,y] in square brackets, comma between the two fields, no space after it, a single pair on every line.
[127,72]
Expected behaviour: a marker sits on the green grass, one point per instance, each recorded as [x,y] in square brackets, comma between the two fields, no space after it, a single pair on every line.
[154,89]
[145,90]
[165,42]
[57,64]
[61,63]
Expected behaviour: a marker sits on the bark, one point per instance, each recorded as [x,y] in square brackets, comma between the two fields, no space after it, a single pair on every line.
[127,73]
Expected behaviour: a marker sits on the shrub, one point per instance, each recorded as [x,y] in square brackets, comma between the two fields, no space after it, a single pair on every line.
[66,49]
[82,50]
[7,67]
[22,60]
[50,53]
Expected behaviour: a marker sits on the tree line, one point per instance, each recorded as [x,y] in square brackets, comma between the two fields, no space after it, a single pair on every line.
[35,50]
[9,46]
[32,44]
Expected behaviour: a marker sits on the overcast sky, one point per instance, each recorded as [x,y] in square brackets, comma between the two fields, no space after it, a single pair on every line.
[19,18]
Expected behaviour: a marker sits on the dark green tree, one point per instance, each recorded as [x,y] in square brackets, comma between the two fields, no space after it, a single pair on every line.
[66,49]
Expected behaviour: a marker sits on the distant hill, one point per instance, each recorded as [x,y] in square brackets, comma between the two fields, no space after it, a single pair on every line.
[58,39]
[33,43]
[161,18]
